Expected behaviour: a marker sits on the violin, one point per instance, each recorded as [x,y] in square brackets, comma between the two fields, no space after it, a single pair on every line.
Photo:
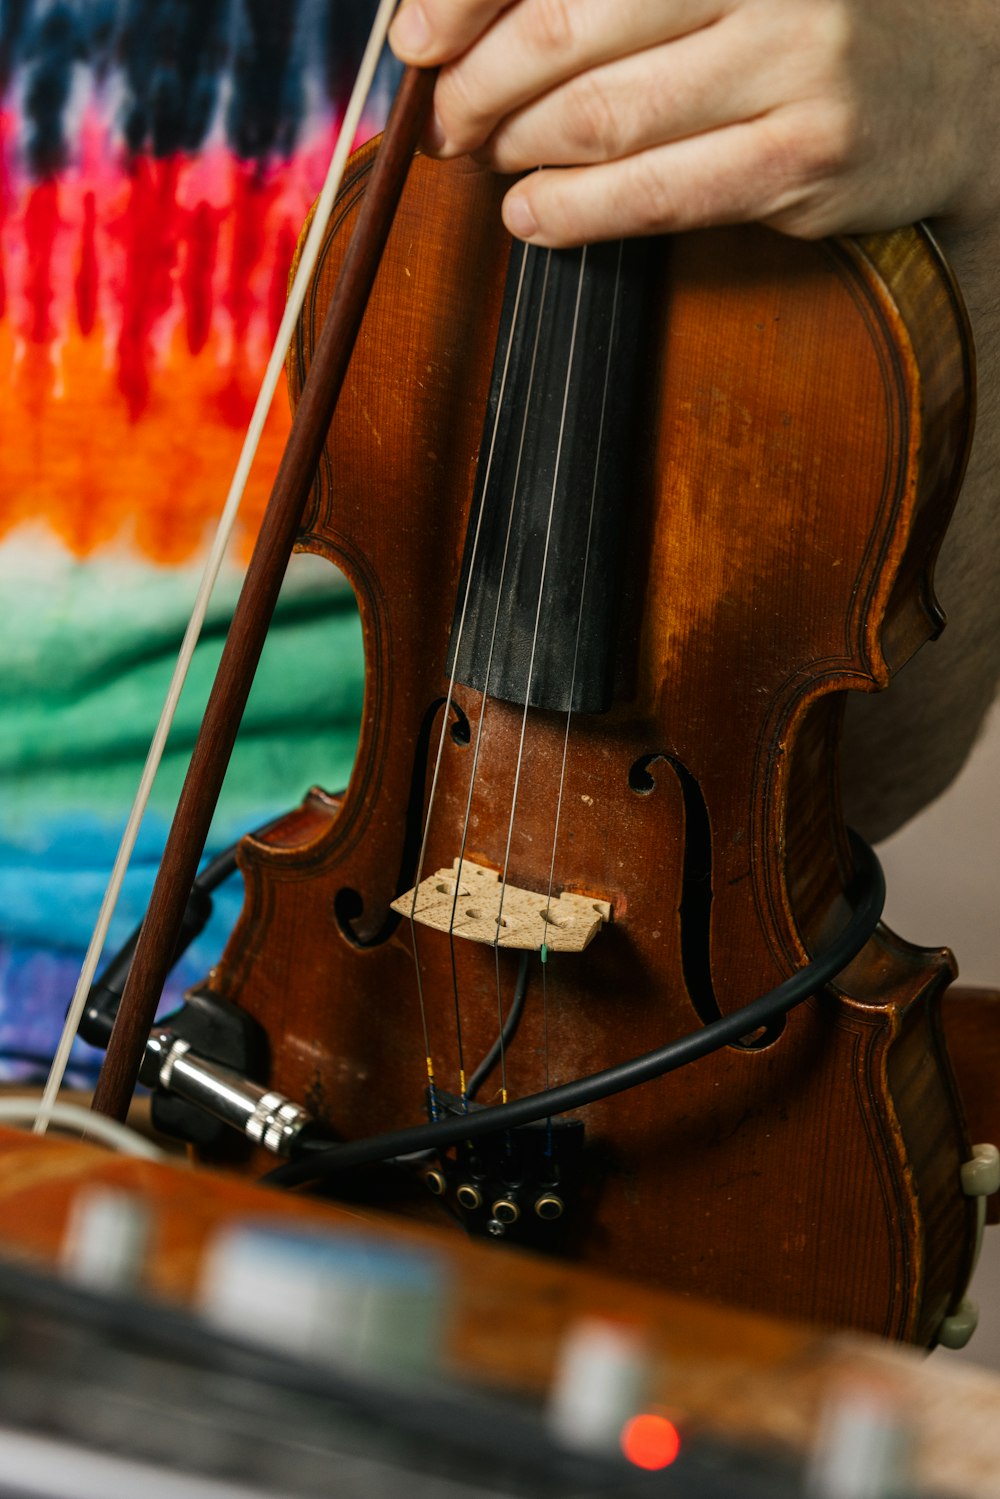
[625,525]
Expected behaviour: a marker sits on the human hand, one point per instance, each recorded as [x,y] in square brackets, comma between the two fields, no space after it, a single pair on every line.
[814,116]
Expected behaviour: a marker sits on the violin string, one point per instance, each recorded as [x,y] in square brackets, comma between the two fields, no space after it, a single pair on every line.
[576,649]
[220,545]
[501,396]
[493,639]
[534,640]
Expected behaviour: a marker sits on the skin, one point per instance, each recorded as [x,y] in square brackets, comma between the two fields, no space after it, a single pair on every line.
[816,117]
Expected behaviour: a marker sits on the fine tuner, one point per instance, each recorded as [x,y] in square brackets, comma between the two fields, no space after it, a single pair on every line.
[510,1156]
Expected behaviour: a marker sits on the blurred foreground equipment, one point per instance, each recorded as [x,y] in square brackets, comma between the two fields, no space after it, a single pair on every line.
[268,1346]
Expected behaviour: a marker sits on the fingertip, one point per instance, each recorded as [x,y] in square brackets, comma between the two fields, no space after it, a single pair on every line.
[410,33]
[519,216]
[536,210]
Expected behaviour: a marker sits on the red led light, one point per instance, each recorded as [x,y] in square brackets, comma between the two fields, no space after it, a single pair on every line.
[650,1442]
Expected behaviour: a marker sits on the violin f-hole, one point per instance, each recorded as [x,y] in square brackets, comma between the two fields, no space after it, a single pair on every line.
[696,893]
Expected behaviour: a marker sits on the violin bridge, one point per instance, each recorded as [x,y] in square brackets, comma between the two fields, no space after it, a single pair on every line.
[505,915]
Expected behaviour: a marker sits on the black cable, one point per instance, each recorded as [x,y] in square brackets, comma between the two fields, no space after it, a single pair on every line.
[508,1033]
[98,1018]
[867,893]
[196,918]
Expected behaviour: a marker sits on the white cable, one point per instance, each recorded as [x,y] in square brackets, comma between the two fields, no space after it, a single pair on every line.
[74,1116]
[296,297]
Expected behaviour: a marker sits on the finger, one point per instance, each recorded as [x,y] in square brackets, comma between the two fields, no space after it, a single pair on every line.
[748,63]
[429,32]
[663,94]
[745,172]
[537,45]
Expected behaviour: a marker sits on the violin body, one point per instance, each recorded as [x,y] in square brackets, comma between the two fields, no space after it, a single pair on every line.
[801,433]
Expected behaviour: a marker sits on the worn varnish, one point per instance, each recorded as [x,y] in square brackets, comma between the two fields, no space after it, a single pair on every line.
[803,427]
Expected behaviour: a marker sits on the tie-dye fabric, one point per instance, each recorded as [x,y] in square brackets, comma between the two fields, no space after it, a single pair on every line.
[158,158]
